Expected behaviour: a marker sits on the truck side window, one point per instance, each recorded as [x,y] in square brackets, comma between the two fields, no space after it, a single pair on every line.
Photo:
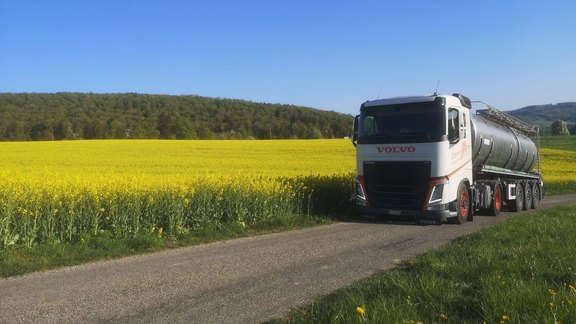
[464,123]
[368,126]
[453,126]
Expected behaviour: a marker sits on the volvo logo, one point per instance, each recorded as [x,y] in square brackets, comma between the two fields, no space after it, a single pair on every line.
[396,149]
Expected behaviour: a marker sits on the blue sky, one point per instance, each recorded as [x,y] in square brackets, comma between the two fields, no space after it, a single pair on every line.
[331,55]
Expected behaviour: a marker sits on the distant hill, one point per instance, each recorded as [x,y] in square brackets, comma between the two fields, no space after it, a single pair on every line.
[66,116]
[544,115]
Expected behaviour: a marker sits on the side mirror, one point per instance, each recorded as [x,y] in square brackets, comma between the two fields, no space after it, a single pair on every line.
[355,130]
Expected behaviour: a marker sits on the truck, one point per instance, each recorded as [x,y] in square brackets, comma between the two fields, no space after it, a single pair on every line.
[430,159]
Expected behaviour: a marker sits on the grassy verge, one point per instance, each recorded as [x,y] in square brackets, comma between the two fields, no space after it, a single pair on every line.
[559,142]
[18,260]
[522,270]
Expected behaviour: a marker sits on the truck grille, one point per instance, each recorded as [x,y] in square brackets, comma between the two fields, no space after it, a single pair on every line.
[397,185]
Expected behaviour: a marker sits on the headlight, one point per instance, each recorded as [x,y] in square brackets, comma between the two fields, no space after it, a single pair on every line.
[359,190]
[437,193]
[360,195]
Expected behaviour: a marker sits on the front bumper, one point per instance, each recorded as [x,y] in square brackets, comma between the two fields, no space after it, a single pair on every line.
[433,217]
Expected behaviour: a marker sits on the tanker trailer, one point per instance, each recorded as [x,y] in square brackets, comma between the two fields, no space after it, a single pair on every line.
[429,158]
[504,160]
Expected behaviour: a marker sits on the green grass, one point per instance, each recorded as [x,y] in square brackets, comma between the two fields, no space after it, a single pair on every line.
[18,260]
[522,270]
[559,142]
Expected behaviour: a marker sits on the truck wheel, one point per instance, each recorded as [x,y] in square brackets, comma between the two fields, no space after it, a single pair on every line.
[462,205]
[527,196]
[496,207]
[518,203]
[535,196]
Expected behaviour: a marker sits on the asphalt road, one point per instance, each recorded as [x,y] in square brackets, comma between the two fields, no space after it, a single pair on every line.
[238,281]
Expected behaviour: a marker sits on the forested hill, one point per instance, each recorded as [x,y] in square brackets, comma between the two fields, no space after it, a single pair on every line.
[60,116]
[544,115]
[565,111]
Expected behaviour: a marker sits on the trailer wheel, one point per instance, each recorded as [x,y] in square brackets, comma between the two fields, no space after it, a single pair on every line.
[527,196]
[518,203]
[496,206]
[462,205]
[535,196]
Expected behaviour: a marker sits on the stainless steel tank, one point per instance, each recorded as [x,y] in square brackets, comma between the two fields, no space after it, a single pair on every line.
[501,146]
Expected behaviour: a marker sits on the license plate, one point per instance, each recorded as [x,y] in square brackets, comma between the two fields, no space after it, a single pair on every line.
[395,212]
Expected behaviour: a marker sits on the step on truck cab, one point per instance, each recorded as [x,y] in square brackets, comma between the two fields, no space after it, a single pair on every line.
[430,159]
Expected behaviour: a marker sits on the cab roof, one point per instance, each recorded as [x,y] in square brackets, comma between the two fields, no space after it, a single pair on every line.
[450,99]
[399,100]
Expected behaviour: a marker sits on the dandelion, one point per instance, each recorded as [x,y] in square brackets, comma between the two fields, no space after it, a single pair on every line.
[551,292]
[409,300]
[360,311]
[443,316]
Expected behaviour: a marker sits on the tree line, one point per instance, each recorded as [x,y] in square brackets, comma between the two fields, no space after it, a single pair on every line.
[70,116]
[560,128]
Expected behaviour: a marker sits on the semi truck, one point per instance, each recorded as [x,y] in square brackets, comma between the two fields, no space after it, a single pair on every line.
[430,159]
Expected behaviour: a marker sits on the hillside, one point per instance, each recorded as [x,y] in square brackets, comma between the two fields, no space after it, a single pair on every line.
[65,116]
[544,115]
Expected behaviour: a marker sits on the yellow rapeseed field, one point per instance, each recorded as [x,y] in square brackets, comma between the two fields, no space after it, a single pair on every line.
[64,191]
[60,191]
[100,162]
[558,170]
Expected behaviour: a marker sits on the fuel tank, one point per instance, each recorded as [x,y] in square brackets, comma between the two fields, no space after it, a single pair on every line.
[500,146]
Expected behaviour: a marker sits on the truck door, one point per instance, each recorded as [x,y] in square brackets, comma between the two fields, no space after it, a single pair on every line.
[453,126]
[458,136]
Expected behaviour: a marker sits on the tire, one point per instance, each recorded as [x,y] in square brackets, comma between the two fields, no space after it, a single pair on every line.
[496,207]
[535,196]
[462,205]
[518,203]
[527,196]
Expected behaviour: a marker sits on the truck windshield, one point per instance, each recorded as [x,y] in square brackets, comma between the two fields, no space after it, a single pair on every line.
[403,123]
